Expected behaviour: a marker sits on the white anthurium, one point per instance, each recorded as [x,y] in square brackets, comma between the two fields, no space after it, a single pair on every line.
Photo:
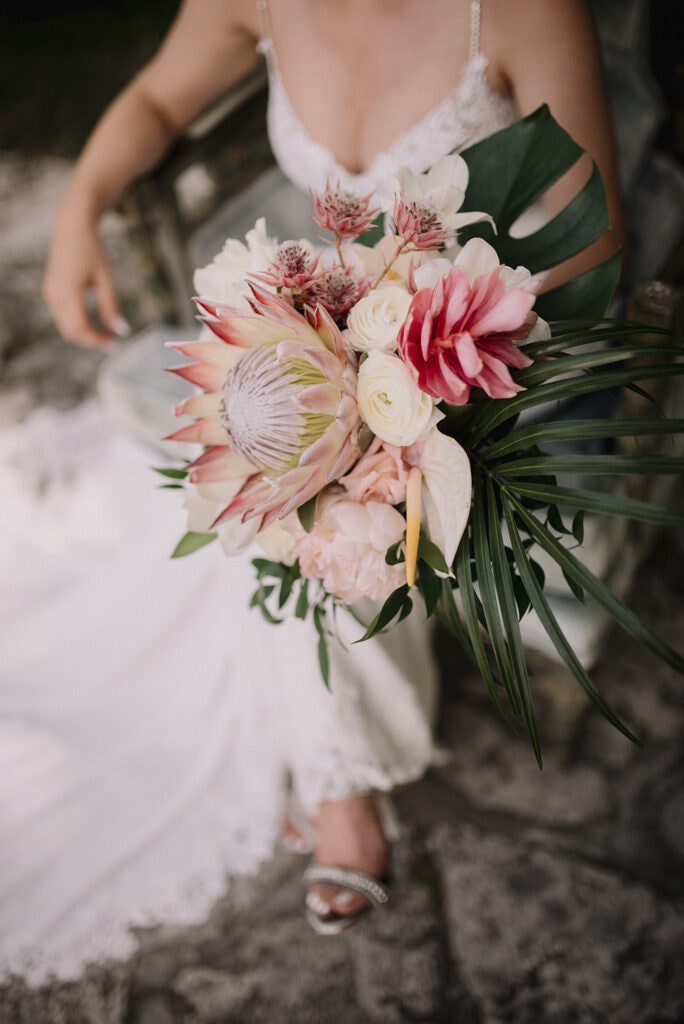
[428,274]
[540,332]
[446,491]
[478,257]
[442,189]
[438,494]
[390,401]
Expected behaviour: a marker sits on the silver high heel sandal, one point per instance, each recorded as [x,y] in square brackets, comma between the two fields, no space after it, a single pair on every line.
[375,891]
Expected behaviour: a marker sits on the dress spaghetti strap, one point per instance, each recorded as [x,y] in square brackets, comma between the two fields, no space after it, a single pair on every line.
[475,17]
[265,44]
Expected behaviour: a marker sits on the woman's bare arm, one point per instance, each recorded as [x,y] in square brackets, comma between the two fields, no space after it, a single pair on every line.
[549,53]
[206,50]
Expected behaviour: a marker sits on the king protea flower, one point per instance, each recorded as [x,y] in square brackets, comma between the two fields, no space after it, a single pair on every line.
[279,411]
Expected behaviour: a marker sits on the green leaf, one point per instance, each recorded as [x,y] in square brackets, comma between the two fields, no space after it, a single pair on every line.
[173,474]
[575,588]
[448,614]
[396,553]
[578,525]
[307,513]
[598,501]
[597,589]
[555,519]
[429,586]
[550,624]
[606,465]
[190,542]
[579,430]
[389,611]
[430,553]
[503,574]
[374,233]
[265,567]
[547,369]
[472,627]
[588,294]
[491,414]
[406,609]
[509,172]
[319,618]
[302,605]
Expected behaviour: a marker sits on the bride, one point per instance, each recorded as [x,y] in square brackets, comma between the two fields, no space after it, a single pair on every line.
[154,735]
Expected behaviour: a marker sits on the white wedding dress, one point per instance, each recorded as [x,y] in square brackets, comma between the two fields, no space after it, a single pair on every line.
[150,724]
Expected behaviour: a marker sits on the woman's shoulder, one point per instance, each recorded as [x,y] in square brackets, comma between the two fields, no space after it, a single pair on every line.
[532,33]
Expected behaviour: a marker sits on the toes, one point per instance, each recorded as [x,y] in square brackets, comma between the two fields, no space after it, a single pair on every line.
[326,900]
[347,903]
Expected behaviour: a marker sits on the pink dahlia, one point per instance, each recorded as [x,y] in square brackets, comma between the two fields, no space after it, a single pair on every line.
[461,334]
[279,411]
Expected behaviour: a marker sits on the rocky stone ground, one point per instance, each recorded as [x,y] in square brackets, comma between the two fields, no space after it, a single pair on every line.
[519,897]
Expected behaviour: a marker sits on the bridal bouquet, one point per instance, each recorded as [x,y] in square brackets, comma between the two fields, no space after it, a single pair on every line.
[359,407]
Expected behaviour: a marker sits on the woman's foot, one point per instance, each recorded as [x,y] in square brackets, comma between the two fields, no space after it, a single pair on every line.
[350,836]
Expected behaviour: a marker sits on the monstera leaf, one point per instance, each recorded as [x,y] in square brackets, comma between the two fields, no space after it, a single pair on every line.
[509,172]
[525,494]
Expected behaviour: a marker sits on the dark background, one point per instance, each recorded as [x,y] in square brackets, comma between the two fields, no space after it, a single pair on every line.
[62,61]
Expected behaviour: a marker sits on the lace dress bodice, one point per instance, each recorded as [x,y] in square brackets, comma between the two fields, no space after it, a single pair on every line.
[469,112]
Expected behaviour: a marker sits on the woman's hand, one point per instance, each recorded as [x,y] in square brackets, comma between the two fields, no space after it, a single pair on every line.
[78,267]
[210,46]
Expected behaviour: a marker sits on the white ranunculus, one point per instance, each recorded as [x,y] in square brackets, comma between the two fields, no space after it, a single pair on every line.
[374,322]
[225,278]
[390,401]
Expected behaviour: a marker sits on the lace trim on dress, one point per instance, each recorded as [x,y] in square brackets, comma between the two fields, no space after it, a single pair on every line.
[468,113]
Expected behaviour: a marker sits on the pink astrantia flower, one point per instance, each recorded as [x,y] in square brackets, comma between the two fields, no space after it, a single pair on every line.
[346,547]
[426,205]
[293,267]
[279,410]
[344,213]
[337,289]
[461,332]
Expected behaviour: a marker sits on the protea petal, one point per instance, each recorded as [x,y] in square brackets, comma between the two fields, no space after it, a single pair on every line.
[204,405]
[282,420]
[209,352]
[204,431]
[202,375]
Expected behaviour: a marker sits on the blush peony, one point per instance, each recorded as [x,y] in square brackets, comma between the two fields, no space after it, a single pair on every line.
[346,548]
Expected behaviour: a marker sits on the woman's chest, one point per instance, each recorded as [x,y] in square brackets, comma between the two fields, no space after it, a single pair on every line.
[360,76]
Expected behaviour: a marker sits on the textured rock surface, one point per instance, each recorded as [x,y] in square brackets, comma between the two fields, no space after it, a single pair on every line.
[519,896]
